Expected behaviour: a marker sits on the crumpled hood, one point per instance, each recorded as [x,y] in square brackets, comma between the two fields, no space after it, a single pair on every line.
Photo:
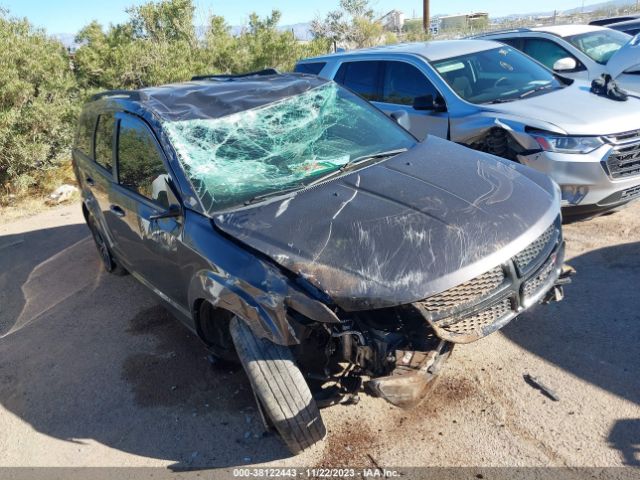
[403,229]
[577,111]
[626,59]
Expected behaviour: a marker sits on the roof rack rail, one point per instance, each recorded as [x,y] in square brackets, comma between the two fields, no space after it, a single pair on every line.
[132,95]
[506,30]
[226,76]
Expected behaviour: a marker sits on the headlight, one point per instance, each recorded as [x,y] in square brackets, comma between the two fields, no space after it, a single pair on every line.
[566,144]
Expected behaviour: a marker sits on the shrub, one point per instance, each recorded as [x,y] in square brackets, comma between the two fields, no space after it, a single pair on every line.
[38,105]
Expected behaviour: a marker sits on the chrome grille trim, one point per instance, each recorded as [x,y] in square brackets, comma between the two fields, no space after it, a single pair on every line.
[624,159]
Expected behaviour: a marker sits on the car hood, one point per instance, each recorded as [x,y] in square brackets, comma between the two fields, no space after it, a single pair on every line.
[627,59]
[401,230]
[576,111]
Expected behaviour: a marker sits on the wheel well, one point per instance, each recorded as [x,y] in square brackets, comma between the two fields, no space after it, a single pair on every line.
[210,321]
[499,142]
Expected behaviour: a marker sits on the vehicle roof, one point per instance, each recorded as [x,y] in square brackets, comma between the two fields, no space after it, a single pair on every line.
[626,23]
[568,30]
[433,50]
[215,97]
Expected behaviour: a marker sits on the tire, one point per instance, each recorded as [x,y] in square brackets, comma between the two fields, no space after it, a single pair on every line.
[280,387]
[109,263]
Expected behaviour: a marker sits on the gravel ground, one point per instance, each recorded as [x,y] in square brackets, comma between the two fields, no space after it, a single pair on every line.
[94,372]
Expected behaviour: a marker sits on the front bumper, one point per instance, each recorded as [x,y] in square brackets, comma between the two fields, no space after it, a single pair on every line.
[585,179]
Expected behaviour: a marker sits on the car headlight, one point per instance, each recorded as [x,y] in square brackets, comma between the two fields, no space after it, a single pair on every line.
[567,144]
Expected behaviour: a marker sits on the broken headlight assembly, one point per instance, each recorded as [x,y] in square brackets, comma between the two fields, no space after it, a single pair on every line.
[551,142]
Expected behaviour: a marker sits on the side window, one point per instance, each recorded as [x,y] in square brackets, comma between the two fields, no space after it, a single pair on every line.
[104,140]
[361,77]
[140,165]
[403,83]
[512,42]
[545,51]
[312,68]
[84,134]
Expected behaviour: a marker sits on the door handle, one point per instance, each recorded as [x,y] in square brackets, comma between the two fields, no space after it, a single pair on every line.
[116,210]
[90,181]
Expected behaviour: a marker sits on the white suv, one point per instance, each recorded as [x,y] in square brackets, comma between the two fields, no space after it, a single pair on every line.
[583,52]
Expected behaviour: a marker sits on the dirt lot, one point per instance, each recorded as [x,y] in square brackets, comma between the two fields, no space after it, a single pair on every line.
[94,373]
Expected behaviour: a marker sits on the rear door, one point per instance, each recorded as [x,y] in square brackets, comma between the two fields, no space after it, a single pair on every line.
[392,86]
[402,83]
[149,247]
[93,154]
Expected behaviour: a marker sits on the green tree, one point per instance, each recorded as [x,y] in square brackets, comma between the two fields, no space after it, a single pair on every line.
[38,105]
[352,25]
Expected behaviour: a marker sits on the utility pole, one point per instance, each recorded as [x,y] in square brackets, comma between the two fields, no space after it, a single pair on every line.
[425,16]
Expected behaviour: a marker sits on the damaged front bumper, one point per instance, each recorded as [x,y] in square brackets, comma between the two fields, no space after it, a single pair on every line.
[474,310]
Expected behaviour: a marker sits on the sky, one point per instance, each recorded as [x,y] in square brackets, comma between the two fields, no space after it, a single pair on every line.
[70,15]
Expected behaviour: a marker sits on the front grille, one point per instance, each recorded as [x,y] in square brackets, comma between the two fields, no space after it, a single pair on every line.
[531,287]
[630,193]
[484,304]
[624,160]
[527,256]
[477,323]
[468,292]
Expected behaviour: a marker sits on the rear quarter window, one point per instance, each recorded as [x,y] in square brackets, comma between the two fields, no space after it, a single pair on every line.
[363,77]
[84,134]
[104,141]
[311,68]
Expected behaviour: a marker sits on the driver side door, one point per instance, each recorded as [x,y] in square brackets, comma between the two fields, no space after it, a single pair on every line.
[150,248]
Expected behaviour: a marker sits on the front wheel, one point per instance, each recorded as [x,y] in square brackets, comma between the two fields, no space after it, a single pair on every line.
[280,388]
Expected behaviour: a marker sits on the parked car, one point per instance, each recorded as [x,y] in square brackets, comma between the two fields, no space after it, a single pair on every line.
[605,22]
[493,98]
[630,27]
[583,52]
[287,221]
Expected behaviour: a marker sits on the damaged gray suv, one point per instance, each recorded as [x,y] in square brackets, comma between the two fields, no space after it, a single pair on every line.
[296,228]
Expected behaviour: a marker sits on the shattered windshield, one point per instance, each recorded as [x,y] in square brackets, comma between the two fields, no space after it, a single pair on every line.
[495,76]
[600,45]
[281,146]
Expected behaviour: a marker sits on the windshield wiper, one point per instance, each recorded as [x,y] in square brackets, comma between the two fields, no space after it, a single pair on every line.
[263,196]
[537,89]
[347,166]
[357,161]
[501,100]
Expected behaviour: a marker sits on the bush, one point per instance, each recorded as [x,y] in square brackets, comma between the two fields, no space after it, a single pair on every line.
[38,106]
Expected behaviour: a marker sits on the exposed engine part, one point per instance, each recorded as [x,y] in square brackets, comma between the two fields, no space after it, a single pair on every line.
[409,383]
[498,142]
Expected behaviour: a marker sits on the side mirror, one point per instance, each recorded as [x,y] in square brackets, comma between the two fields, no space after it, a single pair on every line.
[427,102]
[173,211]
[566,64]
[402,118]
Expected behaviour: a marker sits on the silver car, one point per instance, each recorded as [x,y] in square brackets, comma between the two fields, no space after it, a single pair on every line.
[583,52]
[493,98]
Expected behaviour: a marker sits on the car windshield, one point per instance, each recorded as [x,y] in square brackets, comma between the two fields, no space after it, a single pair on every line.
[282,146]
[600,45]
[498,75]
